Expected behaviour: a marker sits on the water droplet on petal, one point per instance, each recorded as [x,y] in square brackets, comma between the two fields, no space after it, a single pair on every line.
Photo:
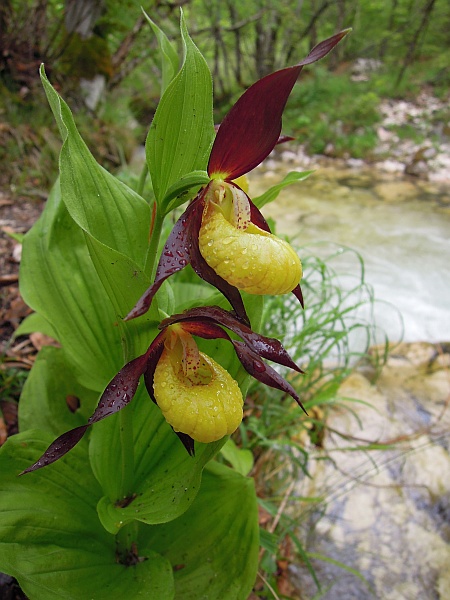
[259,366]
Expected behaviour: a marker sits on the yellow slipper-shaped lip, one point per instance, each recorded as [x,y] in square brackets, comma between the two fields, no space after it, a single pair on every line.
[204,412]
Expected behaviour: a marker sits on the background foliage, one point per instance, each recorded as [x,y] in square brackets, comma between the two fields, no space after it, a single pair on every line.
[407,42]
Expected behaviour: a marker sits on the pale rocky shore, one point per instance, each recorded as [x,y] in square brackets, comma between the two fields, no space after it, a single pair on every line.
[385,512]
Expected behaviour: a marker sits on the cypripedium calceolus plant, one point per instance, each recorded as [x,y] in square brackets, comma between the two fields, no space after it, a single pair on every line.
[198,397]
[222,234]
[130,512]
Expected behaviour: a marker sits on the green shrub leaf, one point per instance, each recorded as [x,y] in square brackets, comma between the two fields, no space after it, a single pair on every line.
[47,391]
[169,56]
[215,544]
[98,202]
[182,129]
[59,281]
[166,478]
[272,193]
[51,538]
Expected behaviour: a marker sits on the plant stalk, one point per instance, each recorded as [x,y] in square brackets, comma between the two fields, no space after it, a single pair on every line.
[155,234]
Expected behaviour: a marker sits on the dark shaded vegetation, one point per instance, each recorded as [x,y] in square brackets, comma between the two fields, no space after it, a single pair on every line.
[404,44]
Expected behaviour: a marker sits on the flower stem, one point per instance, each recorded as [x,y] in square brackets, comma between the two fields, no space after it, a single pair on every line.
[155,234]
[126,547]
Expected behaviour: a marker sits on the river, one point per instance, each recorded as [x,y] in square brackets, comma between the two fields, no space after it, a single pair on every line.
[400,226]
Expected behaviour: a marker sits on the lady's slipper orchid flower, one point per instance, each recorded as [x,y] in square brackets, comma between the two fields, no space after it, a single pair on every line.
[197,396]
[222,234]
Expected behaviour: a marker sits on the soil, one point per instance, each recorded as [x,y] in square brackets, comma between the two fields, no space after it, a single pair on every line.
[17,215]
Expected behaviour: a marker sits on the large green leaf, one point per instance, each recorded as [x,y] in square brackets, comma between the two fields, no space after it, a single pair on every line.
[99,203]
[169,56]
[43,402]
[215,543]
[166,478]
[182,129]
[125,282]
[59,281]
[51,539]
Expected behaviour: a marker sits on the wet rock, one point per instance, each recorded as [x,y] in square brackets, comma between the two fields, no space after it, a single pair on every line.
[417,169]
[395,191]
[386,513]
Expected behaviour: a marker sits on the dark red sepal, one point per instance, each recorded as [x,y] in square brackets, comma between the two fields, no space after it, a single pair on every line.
[252,127]
[257,218]
[194,321]
[262,372]
[120,390]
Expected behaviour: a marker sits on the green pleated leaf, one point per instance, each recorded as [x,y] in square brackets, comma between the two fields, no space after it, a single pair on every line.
[182,129]
[98,202]
[166,478]
[125,282]
[169,56]
[59,281]
[35,322]
[51,539]
[214,545]
[272,193]
[49,390]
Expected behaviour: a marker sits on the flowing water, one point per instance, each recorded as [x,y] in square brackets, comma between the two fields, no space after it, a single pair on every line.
[401,228]
[385,515]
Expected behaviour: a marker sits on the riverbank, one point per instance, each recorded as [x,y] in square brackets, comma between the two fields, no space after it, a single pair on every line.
[385,512]
[398,225]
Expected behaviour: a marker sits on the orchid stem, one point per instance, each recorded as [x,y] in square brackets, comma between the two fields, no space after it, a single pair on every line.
[155,234]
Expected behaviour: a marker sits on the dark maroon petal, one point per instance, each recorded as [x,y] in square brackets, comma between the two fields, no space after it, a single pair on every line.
[262,372]
[204,271]
[298,294]
[283,139]
[194,321]
[257,218]
[118,394]
[121,389]
[323,48]
[151,366]
[251,129]
[174,257]
[187,442]
[58,448]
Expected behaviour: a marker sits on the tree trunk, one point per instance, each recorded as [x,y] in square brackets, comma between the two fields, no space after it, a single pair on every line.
[427,10]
